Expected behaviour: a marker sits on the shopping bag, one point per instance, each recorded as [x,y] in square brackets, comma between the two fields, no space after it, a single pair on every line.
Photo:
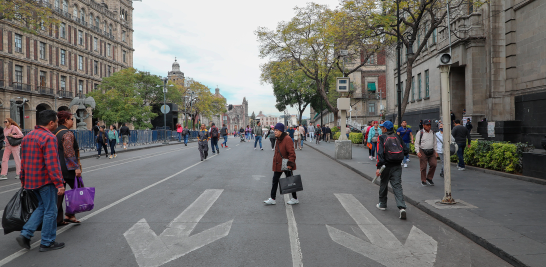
[290,184]
[18,210]
[80,198]
[369,145]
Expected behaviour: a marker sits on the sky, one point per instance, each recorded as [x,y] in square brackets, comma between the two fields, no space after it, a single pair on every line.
[214,43]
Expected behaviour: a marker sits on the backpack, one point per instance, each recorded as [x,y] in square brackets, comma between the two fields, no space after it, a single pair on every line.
[214,132]
[394,152]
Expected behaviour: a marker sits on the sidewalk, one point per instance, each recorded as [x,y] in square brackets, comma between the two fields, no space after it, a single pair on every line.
[505,216]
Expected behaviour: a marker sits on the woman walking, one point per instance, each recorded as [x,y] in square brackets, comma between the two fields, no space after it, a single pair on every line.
[271,136]
[179,130]
[296,137]
[11,129]
[102,140]
[69,157]
[284,150]
[373,137]
[114,139]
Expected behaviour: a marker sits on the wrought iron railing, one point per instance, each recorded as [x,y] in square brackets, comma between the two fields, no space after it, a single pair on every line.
[45,91]
[21,86]
[65,94]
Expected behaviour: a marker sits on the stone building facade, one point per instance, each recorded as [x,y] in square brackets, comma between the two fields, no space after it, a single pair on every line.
[498,71]
[235,117]
[50,68]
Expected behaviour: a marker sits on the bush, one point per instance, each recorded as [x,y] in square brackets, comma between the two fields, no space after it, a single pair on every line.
[356,138]
[335,129]
[336,136]
[396,127]
[500,156]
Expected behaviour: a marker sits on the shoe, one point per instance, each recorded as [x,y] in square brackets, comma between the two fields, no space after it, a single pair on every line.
[226,146]
[201,159]
[3,177]
[272,149]
[442,174]
[17,177]
[98,157]
[370,157]
[254,148]
[430,182]
[405,165]
[185,144]
[218,152]
[110,157]
[53,246]
[222,145]
[206,156]
[293,201]
[462,169]
[379,206]
[423,183]
[213,152]
[115,155]
[402,214]
[261,148]
[408,160]
[401,163]
[270,201]
[23,241]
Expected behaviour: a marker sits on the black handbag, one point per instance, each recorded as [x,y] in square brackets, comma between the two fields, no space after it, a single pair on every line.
[290,184]
[14,141]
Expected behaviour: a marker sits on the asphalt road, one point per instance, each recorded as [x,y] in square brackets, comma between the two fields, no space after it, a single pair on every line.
[164,207]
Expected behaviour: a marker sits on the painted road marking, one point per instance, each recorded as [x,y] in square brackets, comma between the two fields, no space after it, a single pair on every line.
[10,190]
[175,241]
[293,234]
[69,226]
[384,247]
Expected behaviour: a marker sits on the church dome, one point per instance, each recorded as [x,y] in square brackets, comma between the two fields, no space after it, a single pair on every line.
[176,66]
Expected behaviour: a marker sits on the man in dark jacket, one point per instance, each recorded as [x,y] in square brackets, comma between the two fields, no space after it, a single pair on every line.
[323,133]
[224,134]
[125,133]
[461,134]
[392,171]
[214,136]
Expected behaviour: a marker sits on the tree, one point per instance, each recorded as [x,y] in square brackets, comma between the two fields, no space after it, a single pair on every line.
[31,16]
[206,105]
[150,89]
[118,100]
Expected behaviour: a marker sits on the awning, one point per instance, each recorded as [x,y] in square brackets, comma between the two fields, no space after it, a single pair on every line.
[371,87]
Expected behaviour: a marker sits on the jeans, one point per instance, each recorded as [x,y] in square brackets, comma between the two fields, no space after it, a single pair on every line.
[185,139]
[16,151]
[301,145]
[225,140]
[441,155]
[272,143]
[214,144]
[406,157]
[258,139]
[392,174]
[179,137]
[276,177]
[374,148]
[45,215]
[460,154]
[112,147]
[311,135]
[101,146]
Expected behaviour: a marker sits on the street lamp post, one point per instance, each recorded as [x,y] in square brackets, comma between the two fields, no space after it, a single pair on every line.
[398,48]
[165,111]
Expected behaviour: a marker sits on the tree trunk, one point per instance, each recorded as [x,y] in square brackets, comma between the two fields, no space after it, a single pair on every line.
[409,73]
[320,87]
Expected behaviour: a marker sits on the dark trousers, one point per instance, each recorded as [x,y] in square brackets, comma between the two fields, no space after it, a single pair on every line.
[100,146]
[272,142]
[214,144]
[432,162]
[392,174]
[460,154]
[276,177]
[60,216]
[112,147]
[203,149]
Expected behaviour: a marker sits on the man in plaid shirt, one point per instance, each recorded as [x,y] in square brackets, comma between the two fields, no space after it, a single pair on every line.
[41,174]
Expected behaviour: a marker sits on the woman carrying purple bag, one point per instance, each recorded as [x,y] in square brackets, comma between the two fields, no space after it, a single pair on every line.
[69,157]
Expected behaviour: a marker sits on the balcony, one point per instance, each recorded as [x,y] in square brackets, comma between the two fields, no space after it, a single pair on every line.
[95,28]
[110,36]
[21,87]
[45,91]
[81,22]
[65,94]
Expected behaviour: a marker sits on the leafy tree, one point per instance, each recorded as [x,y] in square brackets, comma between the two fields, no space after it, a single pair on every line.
[150,88]
[206,105]
[31,16]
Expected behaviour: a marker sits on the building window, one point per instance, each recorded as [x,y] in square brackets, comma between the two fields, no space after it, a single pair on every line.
[65,6]
[96,67]
[95,43]
[63,57]
[42,50]
[96,86]
[371,59]
[80,86]
[419,84]
[413,88]
[108,49]
[75,15]
[91,20]
[109,71]
[80,37]
[80,62]
[18,43]
[83,15]
[56,4]
[434,33]
[63,83]
[104,26]
[43,76]
[123,36]
[63,30]
[124,53]
[110,30]
[97,23]
[18,74]
[427,94]
[371,108]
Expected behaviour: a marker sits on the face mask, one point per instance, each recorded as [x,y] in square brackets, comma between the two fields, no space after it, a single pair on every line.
[441,129]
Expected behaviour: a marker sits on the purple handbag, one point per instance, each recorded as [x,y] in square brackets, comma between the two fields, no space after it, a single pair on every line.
[80,198]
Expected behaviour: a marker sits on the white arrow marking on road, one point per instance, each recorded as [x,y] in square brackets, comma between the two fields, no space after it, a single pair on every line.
[384,247]
[175,241]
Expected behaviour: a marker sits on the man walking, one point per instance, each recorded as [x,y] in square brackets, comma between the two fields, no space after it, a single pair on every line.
[301,129]
[186,133]
[327,134]
[41,173]
[214,136]
[318,132]
[407,136]
[203,142]
[323,132]
[440,146]
[426,151]
[468,125]
[311,130]
[258,132]
[461,134]
[125,133]
[224,133]
[391,153]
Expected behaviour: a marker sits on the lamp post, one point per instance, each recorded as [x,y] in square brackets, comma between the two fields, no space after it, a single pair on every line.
[165,105]
[398,48]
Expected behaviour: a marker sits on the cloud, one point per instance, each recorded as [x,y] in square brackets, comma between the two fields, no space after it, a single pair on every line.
[213,41]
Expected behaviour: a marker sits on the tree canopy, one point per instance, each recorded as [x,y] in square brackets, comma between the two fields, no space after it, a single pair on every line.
[32,16]
[206,105]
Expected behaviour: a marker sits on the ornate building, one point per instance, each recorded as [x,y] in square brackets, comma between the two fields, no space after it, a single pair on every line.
[50,68]
[235,117]
[175,75]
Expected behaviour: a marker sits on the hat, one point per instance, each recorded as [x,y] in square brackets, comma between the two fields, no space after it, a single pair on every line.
[426,122]
[387,124]
[272,126]
[279,127]
[318,125]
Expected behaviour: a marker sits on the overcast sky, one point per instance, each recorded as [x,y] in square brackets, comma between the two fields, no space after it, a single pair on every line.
[214,43]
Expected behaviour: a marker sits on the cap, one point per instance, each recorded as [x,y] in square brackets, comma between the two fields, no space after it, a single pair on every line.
[427,122]
[387,124]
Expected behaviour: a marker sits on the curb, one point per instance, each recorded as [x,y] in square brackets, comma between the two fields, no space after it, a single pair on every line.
[470,235]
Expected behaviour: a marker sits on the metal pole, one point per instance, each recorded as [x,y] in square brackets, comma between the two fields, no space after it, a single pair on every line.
[444,76]
[398,48]
[165,113]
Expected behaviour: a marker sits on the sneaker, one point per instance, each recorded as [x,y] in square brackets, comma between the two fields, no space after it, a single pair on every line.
[222,145]
[408,160]
[17,177]
[462,169]
[110,157]
[3,177]
[272,149]
[430,182]
[254,148]
[23,241]
[270,201]
[53,246]
[98,157]
[442,174]
[405,165]
[380,207]
[402,214]
[423,183]
[226,146]
[370,157]
[293,201]
[261,148]
[115,155]
[401,163]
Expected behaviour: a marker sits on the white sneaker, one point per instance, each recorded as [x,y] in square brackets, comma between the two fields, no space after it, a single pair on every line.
[254,148]
[462,169]
[3,177]
[379,207]
[270,201]
[370,157]
[17,177]
[405,165]
[261,148]
[272,149]
[408,160]
[293,201]
[402,214]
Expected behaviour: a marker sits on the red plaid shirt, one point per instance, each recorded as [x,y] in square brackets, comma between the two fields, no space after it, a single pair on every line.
[40,160]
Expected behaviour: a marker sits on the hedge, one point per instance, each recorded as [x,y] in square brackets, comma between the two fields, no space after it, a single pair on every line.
[356,138]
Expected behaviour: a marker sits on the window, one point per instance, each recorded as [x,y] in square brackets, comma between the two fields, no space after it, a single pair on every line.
[109,71]
[43,76]
[124,53]
[95,43]
[426,30]
[419,85]
[123,36]
[18,43]
[108,49]
[80,62]
[80,86]
[97,23]
[110,30]
[56,4]
[63,57]
[371,59]
[104,26]
[42,50]
[65,6]
[63,83]
[75,13]
[82,15]
[63,30]
[91,20]
[434,33]
[96,86]
[18,74]
[371,108]
[80,37]
[413,88]
[96,67]
[427,94]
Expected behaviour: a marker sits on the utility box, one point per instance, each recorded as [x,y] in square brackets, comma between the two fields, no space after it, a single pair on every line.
[343,84]
[344,103]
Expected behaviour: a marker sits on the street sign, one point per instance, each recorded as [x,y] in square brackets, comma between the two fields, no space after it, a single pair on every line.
[165,109]
[342,84]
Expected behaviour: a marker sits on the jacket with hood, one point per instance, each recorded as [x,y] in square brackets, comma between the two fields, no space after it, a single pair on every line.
[285,146]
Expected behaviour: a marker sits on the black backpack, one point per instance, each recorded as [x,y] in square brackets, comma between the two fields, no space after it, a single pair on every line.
[394,152]
[214,132]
